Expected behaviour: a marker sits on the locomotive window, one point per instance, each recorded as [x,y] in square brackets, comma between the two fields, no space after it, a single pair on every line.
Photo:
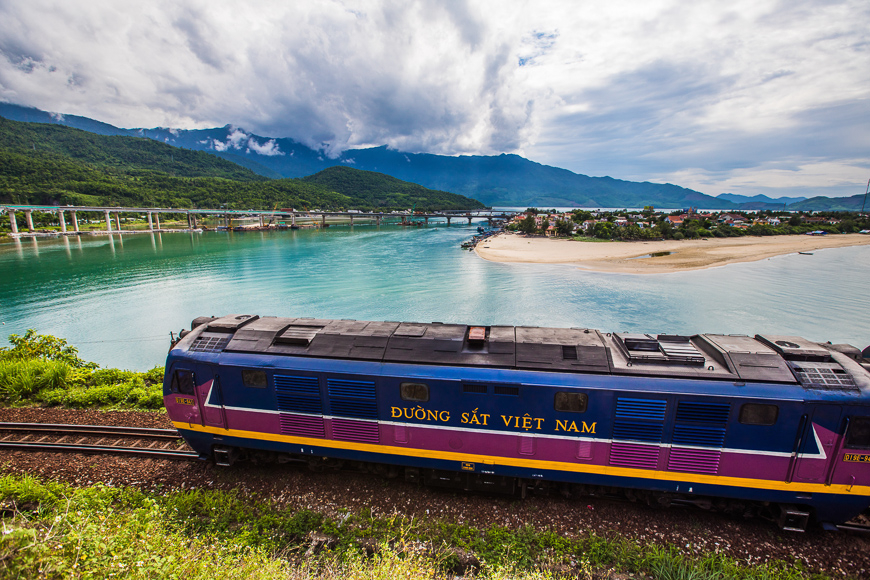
[182,382]
[414,392]
[255,379]
[858,436]
[571,402]
[756,414]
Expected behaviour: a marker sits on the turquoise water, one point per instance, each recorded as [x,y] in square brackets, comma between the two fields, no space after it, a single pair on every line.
[117,298]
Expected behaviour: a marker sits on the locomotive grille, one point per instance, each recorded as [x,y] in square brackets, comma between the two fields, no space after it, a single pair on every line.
[644,409]
[302,425]
[349,398]
[823,377]
[698,425]
[298,394]
[702,412]
[209,343]
[637,431]
[637,420]
[694,460]
[363,432]
[628,455]
[703,436]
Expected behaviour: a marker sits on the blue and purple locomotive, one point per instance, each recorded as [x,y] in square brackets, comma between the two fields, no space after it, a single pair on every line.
[773,425]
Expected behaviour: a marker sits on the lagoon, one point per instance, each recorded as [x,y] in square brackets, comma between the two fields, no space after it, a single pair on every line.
[118,297]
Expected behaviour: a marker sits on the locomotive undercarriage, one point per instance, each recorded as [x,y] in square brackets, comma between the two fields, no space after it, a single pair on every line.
[788,517]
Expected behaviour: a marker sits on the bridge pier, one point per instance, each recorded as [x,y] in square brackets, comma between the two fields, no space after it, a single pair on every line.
[29,214]
[62,221]
[108,221]
[157,219]
[351,220]
[323,221]
[262,223]
[150,221]
[12,221]
[118,220]
[469,219]
[75,220]
[293,219]
[426,219]
[448,220]
[379,220]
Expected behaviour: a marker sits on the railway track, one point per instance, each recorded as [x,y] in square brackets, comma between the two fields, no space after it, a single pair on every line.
[157,443]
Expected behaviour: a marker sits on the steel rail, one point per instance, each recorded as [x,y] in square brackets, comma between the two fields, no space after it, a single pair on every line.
[60,430]
[141,432]
[73,448]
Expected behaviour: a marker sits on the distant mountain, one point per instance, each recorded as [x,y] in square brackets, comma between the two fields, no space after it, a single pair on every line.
[821,203]
[52,164]
[502,180]
[762,201]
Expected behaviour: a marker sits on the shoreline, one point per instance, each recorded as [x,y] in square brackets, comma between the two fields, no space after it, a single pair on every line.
[635,258]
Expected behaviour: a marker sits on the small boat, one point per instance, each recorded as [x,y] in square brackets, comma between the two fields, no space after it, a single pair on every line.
[805,253]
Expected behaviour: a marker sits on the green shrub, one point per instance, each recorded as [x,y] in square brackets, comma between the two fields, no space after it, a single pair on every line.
[43,346]
[46,370]
[20,379]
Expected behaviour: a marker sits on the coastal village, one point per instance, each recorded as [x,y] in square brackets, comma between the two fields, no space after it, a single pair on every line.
[689,223]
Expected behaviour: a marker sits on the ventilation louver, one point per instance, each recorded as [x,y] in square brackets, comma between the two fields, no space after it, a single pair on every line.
[828,376]
[204,343]
[298,394]
[637,420]
[351,398]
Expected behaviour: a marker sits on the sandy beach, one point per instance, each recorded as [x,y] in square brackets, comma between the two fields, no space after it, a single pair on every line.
[636,258]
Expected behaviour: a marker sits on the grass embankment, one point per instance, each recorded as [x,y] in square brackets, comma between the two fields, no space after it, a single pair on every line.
[45,370]
[54,530]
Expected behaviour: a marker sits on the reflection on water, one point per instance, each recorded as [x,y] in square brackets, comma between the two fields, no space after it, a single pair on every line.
[117,297]
[652,255]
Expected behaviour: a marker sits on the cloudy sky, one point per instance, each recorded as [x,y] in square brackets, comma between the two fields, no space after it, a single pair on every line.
[745,96]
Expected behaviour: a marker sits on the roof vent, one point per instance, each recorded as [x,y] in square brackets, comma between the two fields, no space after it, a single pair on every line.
[820,375]
[298,335]
[664,348]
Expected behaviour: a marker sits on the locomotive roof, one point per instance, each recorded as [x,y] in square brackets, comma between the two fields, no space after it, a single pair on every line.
[762,358]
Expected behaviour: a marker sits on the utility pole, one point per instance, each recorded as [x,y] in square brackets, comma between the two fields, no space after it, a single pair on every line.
[865,197]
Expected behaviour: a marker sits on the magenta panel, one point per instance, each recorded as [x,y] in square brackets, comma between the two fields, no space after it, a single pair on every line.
[621,454]
[694,460]
[753,466]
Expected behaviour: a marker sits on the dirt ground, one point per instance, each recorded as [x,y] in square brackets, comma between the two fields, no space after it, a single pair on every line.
[692,530]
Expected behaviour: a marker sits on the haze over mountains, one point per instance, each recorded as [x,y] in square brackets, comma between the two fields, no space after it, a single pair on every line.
[503,180]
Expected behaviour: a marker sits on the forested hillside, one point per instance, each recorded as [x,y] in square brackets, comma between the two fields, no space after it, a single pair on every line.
[381,190]
[50,164]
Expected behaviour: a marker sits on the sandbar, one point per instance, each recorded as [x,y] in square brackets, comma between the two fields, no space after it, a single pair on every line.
[652,257]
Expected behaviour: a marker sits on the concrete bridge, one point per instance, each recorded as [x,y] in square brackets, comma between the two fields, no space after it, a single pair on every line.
[264,218]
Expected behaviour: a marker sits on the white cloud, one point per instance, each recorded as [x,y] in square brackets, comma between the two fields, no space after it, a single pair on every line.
[269,148]
[630,88]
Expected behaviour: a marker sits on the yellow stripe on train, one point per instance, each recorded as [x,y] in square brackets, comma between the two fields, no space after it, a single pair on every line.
[537,463]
